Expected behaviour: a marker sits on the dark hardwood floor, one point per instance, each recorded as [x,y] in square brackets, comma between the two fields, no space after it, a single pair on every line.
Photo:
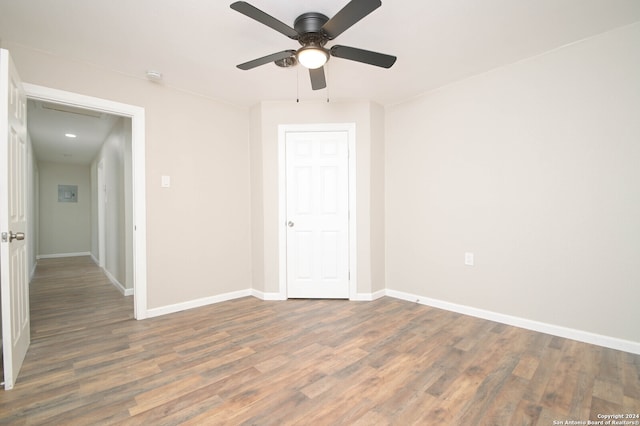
[317,362]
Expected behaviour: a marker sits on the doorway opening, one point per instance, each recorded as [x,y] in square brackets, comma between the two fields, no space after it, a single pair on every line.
[136,226]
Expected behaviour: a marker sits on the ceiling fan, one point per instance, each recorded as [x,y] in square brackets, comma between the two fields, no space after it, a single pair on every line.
[313,30]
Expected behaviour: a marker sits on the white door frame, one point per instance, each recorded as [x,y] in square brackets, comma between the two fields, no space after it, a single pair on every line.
[137,115]
[283,129]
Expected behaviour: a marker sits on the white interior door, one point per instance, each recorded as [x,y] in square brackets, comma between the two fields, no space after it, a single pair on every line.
[317,214]
[16,334]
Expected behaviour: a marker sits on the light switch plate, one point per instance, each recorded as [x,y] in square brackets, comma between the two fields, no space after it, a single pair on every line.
[166,181]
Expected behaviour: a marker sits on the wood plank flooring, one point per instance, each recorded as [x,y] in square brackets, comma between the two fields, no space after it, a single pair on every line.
[297,362]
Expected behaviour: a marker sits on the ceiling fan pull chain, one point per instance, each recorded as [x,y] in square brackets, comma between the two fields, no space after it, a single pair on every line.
[326,71]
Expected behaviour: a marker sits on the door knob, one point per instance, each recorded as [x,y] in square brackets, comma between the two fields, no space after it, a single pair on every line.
[11,236]
[17,236]
[290,224]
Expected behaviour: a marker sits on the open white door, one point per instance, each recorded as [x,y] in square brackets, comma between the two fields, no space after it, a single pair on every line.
[16,334]
[317,211]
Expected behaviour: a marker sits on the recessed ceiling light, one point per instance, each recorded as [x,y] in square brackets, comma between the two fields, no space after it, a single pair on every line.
[70,135]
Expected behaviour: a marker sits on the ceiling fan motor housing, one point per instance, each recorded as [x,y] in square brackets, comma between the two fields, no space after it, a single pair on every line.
[309,26]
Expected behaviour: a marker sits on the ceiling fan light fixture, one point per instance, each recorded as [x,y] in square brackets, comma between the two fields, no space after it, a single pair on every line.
[312,57]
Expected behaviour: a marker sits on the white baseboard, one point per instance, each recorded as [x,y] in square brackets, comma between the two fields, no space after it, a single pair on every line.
[57,255]
[368,297]
[555,330]
[122,289]
[267,296]
[117,284]
[170,309]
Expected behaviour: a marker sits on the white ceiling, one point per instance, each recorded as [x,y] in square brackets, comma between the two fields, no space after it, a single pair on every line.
[197,43]
[49,123]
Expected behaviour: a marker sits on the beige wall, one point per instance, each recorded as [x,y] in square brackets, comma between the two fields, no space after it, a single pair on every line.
[534,167]
[198,231]
[64,228]
[257,204]
[265,119]
[377,200]
[118,208]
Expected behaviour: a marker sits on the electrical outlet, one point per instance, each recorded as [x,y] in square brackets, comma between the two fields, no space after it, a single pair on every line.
[468,259]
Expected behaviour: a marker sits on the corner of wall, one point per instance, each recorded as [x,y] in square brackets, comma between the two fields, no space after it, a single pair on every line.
[377,202]
[254,137]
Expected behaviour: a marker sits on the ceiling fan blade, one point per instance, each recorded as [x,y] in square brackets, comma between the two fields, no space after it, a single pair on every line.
[268,20]
[364,56]
[318,80]
[354,11]
[266,59]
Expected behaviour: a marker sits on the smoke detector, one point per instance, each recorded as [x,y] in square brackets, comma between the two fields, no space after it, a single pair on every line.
[155,76]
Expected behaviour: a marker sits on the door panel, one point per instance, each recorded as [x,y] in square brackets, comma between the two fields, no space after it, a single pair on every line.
[330,263]
[14,283]
[317,210]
